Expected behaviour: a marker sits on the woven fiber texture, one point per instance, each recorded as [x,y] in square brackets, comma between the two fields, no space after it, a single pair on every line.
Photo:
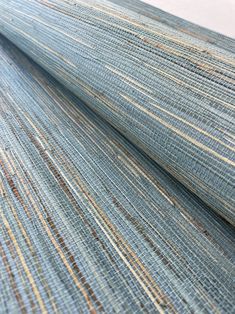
[169,93]
[88,223]
[178,23]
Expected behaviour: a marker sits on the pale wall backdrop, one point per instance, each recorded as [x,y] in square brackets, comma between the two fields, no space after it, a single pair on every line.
[218,15]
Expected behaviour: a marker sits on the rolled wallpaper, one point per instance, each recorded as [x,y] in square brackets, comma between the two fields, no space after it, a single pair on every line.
[169,93]
[88,223]
[178,23]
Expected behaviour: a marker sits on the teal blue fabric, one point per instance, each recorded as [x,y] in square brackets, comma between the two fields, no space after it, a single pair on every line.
[88,223]
[169,93]
[117,160]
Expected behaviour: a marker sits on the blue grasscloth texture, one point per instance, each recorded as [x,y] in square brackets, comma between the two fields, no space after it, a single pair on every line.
[117,160]
[88,223]
[196,31]
[169,93]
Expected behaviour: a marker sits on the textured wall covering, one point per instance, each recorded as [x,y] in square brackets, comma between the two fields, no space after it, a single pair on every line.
[178,23]
[169,93]
[88,223]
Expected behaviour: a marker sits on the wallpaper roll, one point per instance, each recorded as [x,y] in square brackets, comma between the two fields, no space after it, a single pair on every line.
[178,23]
[169,93]
[88,223]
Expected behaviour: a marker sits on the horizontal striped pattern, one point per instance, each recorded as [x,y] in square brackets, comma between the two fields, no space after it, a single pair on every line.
[88,223]
[168,92]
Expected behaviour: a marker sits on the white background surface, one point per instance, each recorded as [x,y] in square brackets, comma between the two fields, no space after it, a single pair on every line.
[218,15]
